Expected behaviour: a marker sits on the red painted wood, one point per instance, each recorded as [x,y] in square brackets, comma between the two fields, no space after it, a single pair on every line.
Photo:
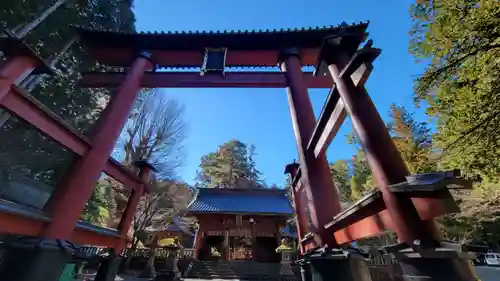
[195,80]
[69,199]
[198,238]
[13,71]
[300,218]
[83,237]
[27,108]
[383,157]
[14,224]
[20,103]
[367,227]
[380,222]
[126,219]
[124,57]
[132,203]
[323,200]
[373,219]
[118,172]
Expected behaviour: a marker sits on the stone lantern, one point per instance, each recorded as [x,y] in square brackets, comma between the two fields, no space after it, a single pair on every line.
[286,259]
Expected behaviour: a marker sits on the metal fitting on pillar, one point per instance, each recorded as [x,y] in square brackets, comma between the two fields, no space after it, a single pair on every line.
[144,167]
[331,47]
[283,54]
[149,56]
[292,169]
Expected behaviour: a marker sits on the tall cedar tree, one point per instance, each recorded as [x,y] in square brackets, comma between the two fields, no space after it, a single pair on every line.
[231,166]
[413,140]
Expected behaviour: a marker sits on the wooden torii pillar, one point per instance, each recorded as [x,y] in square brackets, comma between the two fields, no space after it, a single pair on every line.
[109,267]
[44,257]
[383,157]
[322,198]
[388,167]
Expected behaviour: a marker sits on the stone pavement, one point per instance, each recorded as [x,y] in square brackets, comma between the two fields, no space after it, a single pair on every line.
[487,273]
[484,272]
[123,277]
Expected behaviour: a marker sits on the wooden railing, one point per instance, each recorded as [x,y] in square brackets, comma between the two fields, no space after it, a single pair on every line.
[160,252]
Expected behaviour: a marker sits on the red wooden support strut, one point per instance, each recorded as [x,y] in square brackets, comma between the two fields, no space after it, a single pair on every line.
[68,200]
[133,202]
[14,71]
[315,171]
[389,168]
[198,241]
[25,107]
[383,157]
[300,216]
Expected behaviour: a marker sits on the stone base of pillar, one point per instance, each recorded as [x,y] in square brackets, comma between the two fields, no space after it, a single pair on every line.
[108,269]
[305,272]
[149,271]
[338,264]
[449,262]
[35,259]
[437,269]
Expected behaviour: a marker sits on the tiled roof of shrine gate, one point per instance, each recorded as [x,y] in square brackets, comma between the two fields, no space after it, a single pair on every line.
[119,48]
[240,201]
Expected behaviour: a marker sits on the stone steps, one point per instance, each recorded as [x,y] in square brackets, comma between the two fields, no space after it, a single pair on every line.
[247,270]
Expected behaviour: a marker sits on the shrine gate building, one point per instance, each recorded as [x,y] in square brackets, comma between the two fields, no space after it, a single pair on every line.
[239,224]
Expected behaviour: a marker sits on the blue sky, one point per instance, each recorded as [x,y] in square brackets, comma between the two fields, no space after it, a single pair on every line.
[261,116]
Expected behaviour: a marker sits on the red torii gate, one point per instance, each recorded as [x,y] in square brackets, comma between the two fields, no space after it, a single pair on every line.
[339,65]
[51,233]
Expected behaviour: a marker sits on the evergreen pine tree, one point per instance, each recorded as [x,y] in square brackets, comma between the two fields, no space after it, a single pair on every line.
[231,166]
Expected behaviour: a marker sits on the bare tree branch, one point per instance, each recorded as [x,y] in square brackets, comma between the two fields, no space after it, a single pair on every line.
[156,132]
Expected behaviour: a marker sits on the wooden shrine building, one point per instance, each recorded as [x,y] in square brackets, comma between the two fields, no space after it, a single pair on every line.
[239,224]
[176,230]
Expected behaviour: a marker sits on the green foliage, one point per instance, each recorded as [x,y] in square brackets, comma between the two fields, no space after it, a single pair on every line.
[340,173]
[232,166]
[461,40]
[96,208]
[413,140]
[479,221]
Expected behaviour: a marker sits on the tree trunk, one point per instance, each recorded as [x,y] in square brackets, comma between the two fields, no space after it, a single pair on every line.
[32,81]
[23,30]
